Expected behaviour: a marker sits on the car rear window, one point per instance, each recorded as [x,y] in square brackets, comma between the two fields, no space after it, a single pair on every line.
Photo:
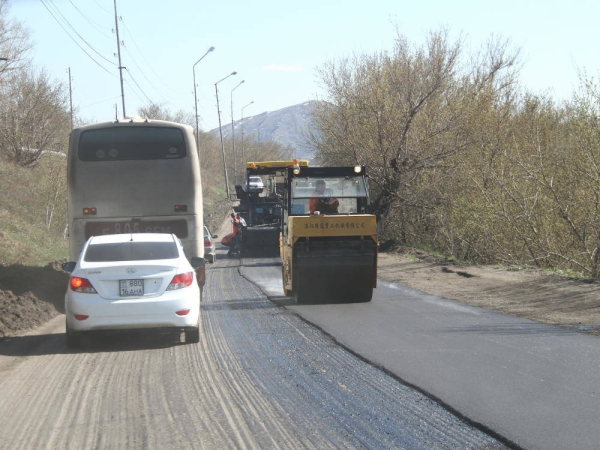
[131,251]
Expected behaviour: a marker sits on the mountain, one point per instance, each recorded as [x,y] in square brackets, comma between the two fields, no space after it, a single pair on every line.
[286,126]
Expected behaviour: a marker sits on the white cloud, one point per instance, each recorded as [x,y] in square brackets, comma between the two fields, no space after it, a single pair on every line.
[282,68]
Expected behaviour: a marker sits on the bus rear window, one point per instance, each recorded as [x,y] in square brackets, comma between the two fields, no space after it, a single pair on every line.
[131,143]
[131,251]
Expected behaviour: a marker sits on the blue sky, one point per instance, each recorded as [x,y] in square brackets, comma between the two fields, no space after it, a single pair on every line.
[275,46]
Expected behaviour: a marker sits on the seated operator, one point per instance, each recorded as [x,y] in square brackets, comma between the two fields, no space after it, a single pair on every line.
[321,203]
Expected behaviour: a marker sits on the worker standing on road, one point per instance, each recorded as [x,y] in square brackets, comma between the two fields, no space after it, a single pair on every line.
[241,221]
[235,223]
[235,241]
[241,230]
[320,203]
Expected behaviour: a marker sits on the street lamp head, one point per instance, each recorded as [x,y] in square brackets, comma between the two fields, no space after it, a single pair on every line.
[211,49]
[233,73]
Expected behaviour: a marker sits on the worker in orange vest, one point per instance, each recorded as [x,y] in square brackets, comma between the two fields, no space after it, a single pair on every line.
[235,223]
[320,203]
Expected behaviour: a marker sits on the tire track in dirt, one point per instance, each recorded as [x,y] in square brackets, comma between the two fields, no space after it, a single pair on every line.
[259,378]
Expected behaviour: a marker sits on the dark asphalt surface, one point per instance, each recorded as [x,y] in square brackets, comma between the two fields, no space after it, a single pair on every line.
[534,384]
[260,377]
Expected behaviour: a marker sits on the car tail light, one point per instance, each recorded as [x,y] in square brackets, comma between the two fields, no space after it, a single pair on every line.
[181,280]
[82,285]
[207,243]
[183,312]
[90,211]
[80,316]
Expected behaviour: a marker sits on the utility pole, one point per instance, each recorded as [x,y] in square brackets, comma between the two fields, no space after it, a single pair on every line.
[71,97]
[221,131]
[119,53]
[233,136]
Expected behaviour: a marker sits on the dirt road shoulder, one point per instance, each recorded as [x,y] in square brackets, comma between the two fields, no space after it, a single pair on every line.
[527,293]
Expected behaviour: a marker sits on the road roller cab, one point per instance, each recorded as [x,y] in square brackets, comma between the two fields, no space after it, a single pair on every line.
[328,242]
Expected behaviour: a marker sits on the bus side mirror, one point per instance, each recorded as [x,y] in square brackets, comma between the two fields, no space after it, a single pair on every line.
[196,262]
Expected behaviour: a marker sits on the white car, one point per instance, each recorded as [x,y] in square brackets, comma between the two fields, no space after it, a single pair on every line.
[210,251]
[132,281]
[254,184]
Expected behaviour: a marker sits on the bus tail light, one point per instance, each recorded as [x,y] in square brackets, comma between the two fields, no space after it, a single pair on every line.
[90,211]
[179,208]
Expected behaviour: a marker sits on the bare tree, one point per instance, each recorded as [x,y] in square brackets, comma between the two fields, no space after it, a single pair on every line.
[158,112]
[15,43]
[404,114]
[34,116]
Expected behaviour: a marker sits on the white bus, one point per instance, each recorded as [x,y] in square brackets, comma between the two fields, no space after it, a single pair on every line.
[134,175]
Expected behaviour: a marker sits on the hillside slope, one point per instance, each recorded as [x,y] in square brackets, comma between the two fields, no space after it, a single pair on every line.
[286,126]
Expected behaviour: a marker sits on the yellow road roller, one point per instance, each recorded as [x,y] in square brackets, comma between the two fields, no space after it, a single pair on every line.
[328,241]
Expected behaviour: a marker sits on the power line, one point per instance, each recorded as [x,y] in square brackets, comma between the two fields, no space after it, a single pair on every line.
[102,8]
[75,31]
[147,62]
[136,83]
[91,22]
[143,74]
[101,101]
[76,43]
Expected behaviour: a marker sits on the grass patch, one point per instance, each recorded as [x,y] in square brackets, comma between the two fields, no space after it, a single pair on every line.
[568,273]
[27,236]
[410,257]
[438,254]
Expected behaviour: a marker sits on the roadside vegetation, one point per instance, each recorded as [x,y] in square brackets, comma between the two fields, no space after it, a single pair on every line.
[34,133]
[462,159]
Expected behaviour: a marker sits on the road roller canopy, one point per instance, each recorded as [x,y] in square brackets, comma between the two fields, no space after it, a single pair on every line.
[338,187]
[272,167]
[347,185]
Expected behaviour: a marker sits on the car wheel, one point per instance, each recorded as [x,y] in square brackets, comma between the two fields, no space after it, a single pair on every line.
[192,335]
[74,341]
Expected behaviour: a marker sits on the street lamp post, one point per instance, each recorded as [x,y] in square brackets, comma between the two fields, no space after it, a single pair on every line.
[195,97]
[258,126]
[233,135]
[243,156]
[221,132]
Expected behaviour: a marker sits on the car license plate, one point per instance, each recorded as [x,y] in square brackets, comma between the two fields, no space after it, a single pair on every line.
[129,288]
